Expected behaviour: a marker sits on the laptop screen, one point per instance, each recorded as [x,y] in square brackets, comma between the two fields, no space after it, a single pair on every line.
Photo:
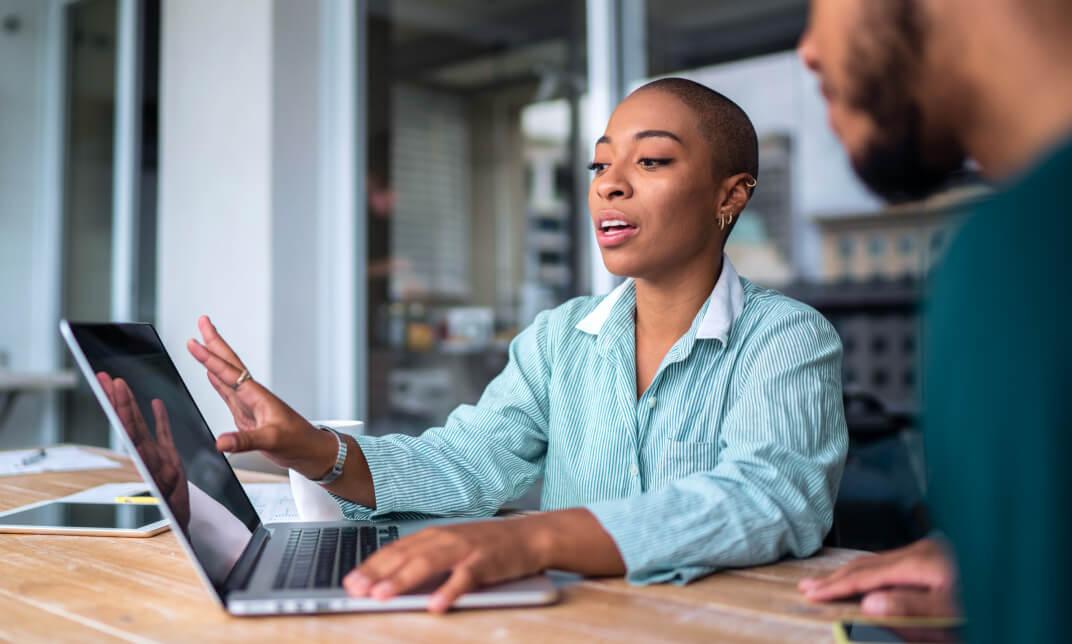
[172,440]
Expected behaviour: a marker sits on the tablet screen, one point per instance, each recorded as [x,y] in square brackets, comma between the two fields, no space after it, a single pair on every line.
[86,515]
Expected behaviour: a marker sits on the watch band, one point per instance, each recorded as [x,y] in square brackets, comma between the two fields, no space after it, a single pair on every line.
[340,459]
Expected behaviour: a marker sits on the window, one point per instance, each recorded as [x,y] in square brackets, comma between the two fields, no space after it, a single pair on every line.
[906,245]
[846,247]
[473,184]
[877,246]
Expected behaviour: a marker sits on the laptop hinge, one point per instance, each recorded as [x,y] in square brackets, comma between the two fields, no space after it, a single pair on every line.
[247,562]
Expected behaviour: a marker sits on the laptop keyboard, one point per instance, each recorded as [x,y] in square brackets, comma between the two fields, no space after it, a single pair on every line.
[321,557]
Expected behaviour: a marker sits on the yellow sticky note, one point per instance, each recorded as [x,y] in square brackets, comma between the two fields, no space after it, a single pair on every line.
[137,500]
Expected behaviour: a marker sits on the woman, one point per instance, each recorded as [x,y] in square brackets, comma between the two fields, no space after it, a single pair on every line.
[685,422]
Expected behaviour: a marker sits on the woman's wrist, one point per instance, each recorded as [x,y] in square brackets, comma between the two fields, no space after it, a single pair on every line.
[539,538]
[572,540]
[355,483]
[326,451]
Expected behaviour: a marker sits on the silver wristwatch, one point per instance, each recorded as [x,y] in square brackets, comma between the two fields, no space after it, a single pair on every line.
[340,459]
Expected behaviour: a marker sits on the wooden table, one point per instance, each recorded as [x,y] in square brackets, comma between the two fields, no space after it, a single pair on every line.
[61,588]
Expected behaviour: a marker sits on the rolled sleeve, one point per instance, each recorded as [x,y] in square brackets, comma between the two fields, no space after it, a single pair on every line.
[484,456]
[772,491]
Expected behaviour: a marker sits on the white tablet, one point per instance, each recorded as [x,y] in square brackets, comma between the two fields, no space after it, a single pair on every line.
[90,519]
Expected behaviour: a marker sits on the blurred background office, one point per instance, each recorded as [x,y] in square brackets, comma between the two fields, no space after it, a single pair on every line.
[372,198]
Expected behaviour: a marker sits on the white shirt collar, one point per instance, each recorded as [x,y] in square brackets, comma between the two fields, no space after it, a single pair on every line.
[726,304]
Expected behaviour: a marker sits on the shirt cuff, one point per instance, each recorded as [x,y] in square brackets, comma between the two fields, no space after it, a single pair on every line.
[638,543]
[383,462]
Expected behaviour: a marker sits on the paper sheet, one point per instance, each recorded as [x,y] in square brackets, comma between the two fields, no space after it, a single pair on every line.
[273,501]
[56,459]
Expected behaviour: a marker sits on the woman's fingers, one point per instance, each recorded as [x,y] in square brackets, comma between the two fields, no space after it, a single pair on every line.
[215,342]
[378,568]
[249,394]
[417,569]
[264,439]
[463,580]
[217,366]
[238,411]
[463,557]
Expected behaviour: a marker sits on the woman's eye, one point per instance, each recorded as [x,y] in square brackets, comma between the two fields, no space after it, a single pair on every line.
[597,167]
[651,164]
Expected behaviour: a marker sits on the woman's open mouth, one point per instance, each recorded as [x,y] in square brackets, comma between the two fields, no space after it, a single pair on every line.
[614,232]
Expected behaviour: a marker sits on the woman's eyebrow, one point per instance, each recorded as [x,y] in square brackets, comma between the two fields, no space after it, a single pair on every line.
[646,134]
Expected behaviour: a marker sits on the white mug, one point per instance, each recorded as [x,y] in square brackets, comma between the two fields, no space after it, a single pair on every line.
[314,503]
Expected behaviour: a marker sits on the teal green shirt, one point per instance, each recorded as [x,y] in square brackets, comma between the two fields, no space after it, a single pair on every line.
[732,457]
[998,419]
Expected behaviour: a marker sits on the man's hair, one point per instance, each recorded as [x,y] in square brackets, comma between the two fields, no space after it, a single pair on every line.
[728,130]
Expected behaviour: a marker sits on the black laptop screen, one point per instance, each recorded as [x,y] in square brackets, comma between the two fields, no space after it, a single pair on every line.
[172,440]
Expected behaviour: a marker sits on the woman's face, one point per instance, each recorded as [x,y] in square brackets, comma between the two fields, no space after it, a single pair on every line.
[654,197]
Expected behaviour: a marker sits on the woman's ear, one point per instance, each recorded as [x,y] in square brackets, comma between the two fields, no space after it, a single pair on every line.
[737,190]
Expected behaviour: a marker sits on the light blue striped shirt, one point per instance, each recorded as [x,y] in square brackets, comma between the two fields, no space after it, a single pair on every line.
[732,457]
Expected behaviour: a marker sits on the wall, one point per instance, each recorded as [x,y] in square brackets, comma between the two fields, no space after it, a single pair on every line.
[239,236]
[214,227]
[21,98]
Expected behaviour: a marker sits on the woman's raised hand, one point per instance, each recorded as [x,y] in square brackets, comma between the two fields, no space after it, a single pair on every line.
[264,422]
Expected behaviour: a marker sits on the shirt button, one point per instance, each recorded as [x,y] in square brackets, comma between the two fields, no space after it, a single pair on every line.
[651,402]
[634,471]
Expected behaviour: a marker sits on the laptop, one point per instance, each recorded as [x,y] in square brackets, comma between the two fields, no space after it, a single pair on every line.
[249,567]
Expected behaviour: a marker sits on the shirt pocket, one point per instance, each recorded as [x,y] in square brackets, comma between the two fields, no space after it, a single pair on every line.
[682,458]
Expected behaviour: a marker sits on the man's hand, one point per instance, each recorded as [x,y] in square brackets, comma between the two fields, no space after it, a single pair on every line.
[472,555]
[918,580]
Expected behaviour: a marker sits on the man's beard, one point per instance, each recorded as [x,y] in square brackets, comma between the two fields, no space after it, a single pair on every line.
[898,165]
[902,161]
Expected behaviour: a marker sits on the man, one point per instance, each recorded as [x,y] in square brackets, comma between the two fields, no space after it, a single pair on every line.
[913,88]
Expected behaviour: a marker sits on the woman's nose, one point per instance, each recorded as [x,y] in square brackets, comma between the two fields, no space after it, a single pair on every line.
[612,185]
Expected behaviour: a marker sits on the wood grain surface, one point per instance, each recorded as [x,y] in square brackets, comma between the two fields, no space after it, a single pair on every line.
[67,588]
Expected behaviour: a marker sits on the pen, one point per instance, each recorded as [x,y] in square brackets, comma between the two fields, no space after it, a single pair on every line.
[36,457]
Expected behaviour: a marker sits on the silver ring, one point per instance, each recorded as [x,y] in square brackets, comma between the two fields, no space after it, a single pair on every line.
[242,377]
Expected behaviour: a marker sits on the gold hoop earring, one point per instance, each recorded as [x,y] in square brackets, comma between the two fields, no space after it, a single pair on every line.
[724,220]
[751,183]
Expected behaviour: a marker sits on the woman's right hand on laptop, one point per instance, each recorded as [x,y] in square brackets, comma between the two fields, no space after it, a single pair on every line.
[264,422]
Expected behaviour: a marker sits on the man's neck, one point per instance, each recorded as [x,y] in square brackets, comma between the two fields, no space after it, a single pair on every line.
[1022,105]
